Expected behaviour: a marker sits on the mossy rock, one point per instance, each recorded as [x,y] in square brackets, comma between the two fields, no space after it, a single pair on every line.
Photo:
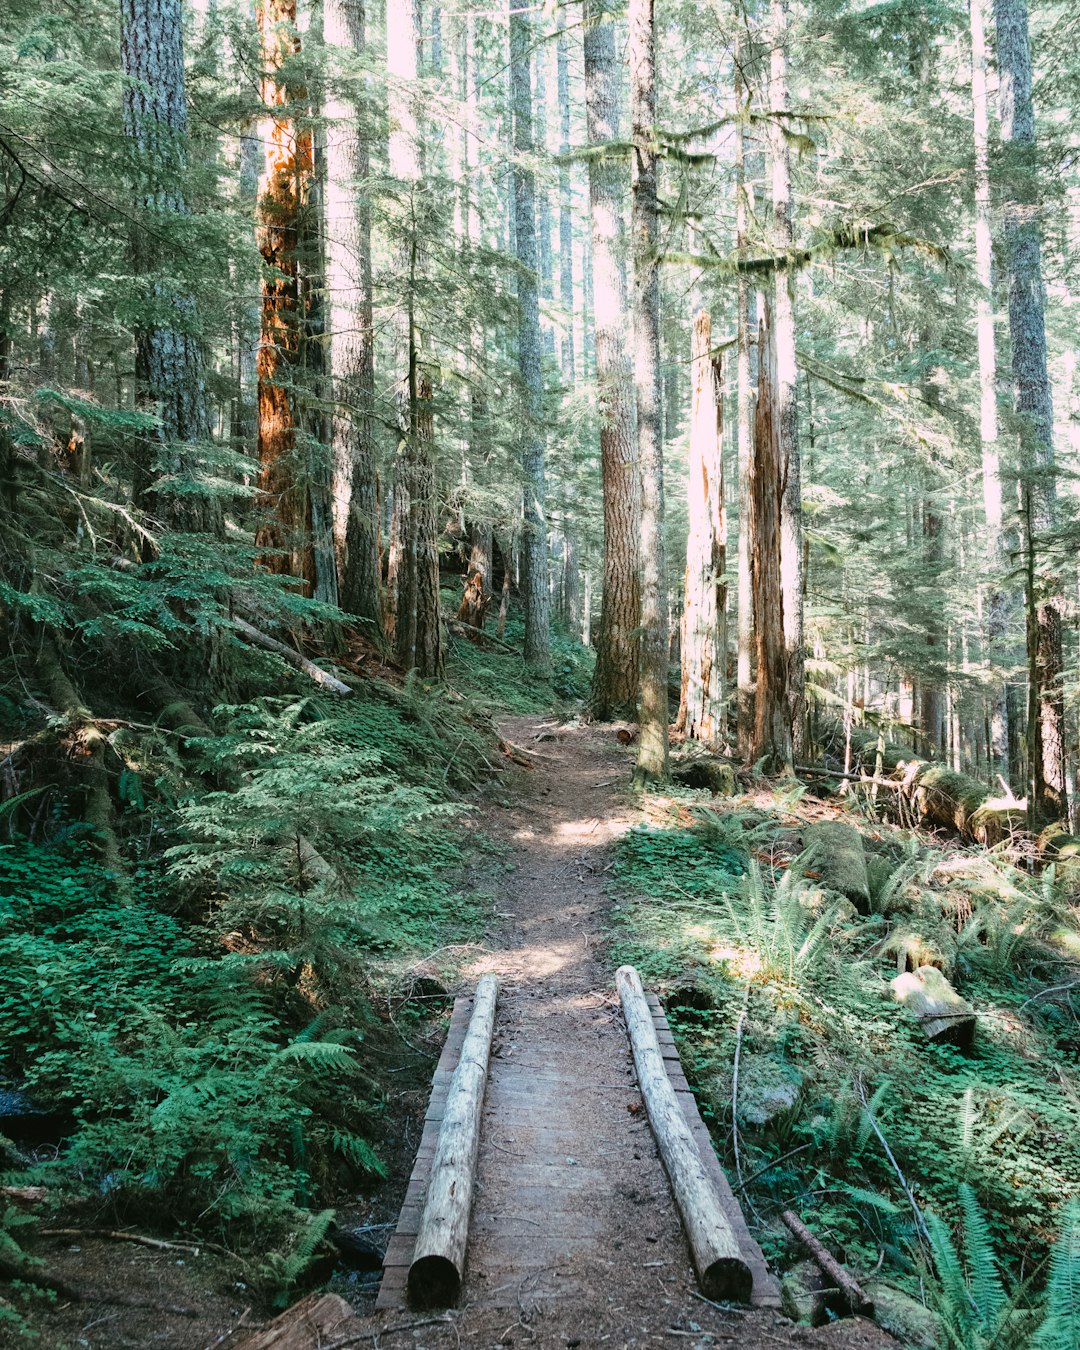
[840,860]
[706,771]
[768,1088]
[903,1316]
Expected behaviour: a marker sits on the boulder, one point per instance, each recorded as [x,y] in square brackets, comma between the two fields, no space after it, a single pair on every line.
[840,860]
[706,771]
[767,1088]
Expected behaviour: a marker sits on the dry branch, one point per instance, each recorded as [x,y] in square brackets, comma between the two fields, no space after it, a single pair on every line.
[290,654]
[844,1281]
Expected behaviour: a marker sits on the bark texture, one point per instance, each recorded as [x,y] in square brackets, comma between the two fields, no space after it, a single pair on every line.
[536,600]
[771,741]
[168,362]
[615,678]
[285,533]
[998,603]
[704,617]
[652,759]
[351,334]
[744,678]
[566,219]
[787,408]
[1031,393]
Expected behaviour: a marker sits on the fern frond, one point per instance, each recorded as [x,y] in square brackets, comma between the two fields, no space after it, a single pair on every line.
[1061,1325]
[985,1279]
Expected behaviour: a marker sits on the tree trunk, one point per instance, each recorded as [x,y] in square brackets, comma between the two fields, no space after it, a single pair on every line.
[536,598]
[791,523]
[566,219]
[615,678]
[1031,391]
[744,701]
[652,759]
[772,729]
[997,600]
[704,620]
[283,189]
[351,335]
[168,362]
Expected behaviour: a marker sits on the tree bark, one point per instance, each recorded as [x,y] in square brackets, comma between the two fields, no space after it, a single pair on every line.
[704,619]
[168,361]
[566,219]
[615,677]
[998,604]
[652,759]
[536,598]
[772,729]
[285,533]
[351,333]
[787,410]
[744,699]
[1031,392]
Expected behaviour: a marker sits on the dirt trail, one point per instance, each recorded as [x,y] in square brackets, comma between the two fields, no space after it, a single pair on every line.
[575,1239]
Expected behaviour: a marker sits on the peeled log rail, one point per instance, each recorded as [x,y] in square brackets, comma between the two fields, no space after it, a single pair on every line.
[721,1270]
[438,1262]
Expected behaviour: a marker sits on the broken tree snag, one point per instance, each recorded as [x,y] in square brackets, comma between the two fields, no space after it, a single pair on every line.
[928,995]
[847,1284]
[290,654]
[474,603]
[314,1321]
[439,1256]
[721,1270]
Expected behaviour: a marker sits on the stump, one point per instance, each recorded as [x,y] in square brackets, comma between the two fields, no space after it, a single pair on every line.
[945,1017]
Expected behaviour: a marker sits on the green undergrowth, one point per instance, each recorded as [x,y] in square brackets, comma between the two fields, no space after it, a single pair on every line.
[494,672]
[726,915]
[208,1035]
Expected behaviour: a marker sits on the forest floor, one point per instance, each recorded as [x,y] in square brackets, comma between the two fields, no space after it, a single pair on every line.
[575,1237]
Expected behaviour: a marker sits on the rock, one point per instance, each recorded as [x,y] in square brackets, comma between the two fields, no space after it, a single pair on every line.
[944,1015]
[800,1294]
[767,1088]
[840,859]
[706,771]
[903,1316]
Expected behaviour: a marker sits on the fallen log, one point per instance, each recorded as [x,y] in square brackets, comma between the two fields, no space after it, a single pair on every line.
[307,1325]
[943,1014]
[845,1282]
[290,654]
[438,1262]
[932,794]
[721,1270]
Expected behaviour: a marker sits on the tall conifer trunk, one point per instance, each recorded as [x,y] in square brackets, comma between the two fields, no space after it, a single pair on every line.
[283,190]
[997,599]
[1034,406]
[615,678]
[791,523]
[536,597]
[652,759]
[168,362]
[351,335]
[744,698]
[772,726]
[566,218]
[704,619]
[412,590]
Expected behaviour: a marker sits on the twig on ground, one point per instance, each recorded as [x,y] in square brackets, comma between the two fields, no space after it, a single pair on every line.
[229,1331]
[357,1337]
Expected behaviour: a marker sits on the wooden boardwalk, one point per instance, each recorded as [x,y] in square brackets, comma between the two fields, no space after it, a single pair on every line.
[541,1220]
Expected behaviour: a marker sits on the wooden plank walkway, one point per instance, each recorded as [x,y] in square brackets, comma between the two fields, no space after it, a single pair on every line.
[559,1224]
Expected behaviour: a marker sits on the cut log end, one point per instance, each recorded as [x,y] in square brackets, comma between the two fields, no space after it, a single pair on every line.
[434,1282]
[727,1281]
